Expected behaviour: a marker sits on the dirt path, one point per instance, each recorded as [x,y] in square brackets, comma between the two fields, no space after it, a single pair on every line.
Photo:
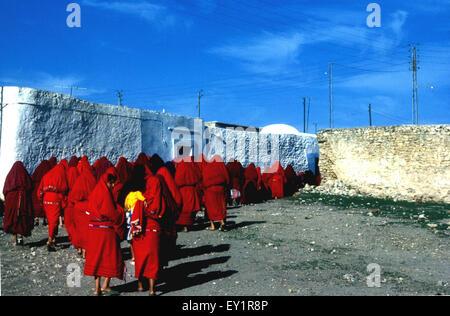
[295,246]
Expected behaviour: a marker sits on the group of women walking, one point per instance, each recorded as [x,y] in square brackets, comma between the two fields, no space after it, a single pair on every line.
[146,202]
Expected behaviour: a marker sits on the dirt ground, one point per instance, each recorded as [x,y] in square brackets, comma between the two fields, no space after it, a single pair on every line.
[310,244]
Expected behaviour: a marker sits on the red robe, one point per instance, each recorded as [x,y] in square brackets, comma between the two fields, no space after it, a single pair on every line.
[124,169]
[215,182]
[250,187]
[18,216]
[146,239]
[101,166]
[52,191]
[78,205]
[187,178]
[236,172]
[73,162]
[173,199]
[103,253]
[37,176]
[292,184]
[53,162]
[277,180]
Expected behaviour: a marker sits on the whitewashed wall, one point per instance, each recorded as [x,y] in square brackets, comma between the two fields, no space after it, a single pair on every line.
[37,125]
[262,149]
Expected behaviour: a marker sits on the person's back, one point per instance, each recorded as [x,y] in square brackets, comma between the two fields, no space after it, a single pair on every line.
[18,217]
[103,254]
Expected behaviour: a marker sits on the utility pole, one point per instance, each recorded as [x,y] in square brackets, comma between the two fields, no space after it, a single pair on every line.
[307,120]
[119,95]
[75,87]
[414,69]
[200,95]
[304,115]
[330,74]
[370,115]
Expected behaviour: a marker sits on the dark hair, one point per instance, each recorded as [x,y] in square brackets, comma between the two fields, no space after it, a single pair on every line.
[156,163]
[135,183]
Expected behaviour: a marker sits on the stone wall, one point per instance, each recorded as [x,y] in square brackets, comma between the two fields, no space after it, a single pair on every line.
[400,162]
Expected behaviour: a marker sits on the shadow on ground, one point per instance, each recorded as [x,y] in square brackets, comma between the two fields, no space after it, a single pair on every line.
[182,276]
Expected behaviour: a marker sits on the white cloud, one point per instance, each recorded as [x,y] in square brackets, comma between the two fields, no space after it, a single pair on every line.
[150,12]
[267,53]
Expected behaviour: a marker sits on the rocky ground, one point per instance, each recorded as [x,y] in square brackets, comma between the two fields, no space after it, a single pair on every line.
[336,187]
[309,244]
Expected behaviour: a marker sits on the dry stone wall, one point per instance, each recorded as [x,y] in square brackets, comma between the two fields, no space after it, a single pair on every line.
[399,162]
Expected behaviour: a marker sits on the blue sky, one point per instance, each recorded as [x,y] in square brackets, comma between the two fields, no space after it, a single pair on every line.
[255,60]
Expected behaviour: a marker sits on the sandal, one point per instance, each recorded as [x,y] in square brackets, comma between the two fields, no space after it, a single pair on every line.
[210,229]
[223,228]
[111,293]
[51,247]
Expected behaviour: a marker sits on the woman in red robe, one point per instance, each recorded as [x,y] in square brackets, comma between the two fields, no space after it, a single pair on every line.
[292,184]
[37,176]
[276,180]
[236,172]
[263,189]
[187,178]
[250,188]
[215,182]
[146,231]
[18,217]
[168,228]
[78,203]
[53,191]
[103,253]
[147,222]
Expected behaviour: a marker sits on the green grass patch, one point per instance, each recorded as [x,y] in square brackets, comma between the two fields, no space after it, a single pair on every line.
[421,213]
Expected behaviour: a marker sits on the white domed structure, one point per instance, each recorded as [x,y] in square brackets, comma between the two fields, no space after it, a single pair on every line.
[280,129]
